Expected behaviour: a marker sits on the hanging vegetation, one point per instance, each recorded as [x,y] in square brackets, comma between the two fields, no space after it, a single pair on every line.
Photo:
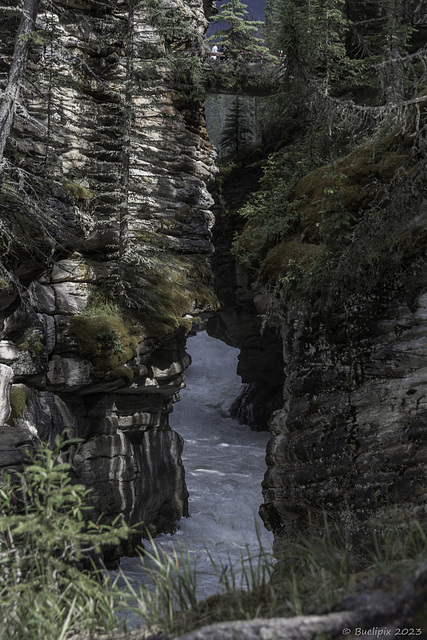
[337,214]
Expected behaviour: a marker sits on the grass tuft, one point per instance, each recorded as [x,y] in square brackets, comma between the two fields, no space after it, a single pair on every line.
[313,574]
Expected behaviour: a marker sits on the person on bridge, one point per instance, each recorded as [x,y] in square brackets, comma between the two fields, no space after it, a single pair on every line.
[214,50]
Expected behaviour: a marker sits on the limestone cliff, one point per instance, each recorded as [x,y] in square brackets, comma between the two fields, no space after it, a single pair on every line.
[106,192]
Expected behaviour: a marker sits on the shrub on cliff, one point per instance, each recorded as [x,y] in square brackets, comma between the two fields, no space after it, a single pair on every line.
[107,338]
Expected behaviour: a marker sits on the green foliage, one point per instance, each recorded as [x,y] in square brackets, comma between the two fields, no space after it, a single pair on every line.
[343,232]
[337,220]
[170,20]
[33,343]
[170,587]
[272,215]
[312,35]
[348,71]
[34,37]
[107,337]
[380,35]
[182,44]
[43,540]
[189,79]
[236,132]
[315,570]
[78,191]
[168,597]
[240,36]
[30,224]
[164,286]
[46,541]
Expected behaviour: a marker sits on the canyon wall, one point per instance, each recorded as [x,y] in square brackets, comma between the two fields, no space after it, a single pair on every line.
[349,440]
[239,323]
[110,142]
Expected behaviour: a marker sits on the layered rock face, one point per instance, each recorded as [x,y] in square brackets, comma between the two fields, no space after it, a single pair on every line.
[90,348]
[350,440]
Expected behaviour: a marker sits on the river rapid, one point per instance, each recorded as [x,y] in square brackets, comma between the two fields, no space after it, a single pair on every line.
[224,464]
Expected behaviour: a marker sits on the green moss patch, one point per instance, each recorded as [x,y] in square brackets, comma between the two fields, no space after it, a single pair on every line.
[78,191]
[355,180]
[293,252]
[18,403]
[107,339]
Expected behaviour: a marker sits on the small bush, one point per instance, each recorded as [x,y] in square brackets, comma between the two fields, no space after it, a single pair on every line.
[44,538]
[33,343]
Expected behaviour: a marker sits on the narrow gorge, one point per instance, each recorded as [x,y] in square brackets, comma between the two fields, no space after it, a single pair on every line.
[121,235]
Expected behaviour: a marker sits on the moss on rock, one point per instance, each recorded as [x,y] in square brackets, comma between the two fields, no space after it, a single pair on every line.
[78,191]
[107,338]
[281,256]
[18,403]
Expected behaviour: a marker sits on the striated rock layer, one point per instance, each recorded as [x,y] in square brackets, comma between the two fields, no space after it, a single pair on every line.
[91,349]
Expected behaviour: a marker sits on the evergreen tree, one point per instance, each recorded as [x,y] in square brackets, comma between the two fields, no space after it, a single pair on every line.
[269,30]
[239,37]
[312,35]
[237,132]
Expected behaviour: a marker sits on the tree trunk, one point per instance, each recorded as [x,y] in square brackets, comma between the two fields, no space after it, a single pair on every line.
[10,95]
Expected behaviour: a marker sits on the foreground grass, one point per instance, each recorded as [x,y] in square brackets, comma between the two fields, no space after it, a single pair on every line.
[47,590]
[316,573]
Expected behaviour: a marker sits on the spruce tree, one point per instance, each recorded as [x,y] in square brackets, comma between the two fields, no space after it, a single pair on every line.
[237,132]
[239,37]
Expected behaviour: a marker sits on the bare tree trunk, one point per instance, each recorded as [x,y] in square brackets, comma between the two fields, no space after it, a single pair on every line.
[10,97]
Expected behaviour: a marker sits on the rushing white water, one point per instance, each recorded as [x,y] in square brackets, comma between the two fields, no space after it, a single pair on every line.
[224,463]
